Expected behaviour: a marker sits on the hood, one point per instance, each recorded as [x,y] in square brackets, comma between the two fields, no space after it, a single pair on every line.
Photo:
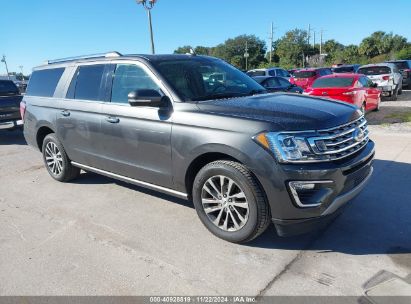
[287,112]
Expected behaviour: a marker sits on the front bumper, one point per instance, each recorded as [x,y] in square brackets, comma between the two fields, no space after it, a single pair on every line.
[347,176]
[300,226]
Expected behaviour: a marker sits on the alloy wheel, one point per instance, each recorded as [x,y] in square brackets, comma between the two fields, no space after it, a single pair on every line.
[225,203]
[54,159]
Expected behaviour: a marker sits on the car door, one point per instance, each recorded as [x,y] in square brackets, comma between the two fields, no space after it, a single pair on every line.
[137,139]
[79,118]
[371,94]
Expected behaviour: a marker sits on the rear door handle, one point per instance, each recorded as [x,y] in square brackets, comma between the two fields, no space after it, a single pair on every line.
[65,113]
[112,119]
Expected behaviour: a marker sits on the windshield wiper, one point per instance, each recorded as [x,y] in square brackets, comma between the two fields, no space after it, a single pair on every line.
[228,95]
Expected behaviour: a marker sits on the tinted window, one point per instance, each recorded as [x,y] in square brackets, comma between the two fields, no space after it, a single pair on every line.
[402,65]
[366,82]
[201,78]
[271,83]
[86,83]
[44,82]
[346,69]
[304,74]
[375,70]
[284,82]
[8,87]
[271,72]
[128,78]
[333,82]
[256,73]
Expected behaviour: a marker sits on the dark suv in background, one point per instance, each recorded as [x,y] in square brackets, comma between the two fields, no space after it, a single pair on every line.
[245,158]
[10,98]
[405,69]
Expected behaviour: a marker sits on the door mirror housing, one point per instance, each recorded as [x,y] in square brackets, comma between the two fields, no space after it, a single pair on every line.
[146,98]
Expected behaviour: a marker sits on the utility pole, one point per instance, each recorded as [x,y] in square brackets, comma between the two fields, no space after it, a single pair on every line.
[22,75]
[314,40]
[246,55]
[271,42]
[321,41]
[5,63]
[148,5]
[309,34]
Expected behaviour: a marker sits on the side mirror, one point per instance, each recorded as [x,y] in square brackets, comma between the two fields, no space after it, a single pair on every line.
[146,98]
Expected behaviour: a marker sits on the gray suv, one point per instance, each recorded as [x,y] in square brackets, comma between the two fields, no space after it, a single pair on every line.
[244,157]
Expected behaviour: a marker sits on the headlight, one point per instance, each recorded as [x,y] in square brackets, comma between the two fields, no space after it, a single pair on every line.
[287,147]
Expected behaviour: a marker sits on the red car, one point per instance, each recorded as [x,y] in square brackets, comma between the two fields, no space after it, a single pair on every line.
[306,77]
[356,89]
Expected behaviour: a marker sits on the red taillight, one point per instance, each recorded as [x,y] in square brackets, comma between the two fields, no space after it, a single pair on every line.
[350,93]
[22,109]
[385,78]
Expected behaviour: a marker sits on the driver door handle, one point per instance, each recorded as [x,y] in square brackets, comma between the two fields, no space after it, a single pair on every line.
[112,119]
[65,113]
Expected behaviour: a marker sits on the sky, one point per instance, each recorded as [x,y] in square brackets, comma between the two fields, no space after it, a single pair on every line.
[34,31]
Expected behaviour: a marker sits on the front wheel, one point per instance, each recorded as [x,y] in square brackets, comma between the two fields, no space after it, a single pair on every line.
[230,202]
[56,160]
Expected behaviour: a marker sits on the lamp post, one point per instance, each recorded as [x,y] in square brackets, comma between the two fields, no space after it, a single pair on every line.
[148,5]
[5,63]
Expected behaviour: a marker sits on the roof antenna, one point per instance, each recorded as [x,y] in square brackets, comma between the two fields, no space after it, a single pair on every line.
[192,52]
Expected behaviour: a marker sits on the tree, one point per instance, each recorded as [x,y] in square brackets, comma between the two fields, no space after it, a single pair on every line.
[183,49]
[292,48]
[202,50]
[232,51]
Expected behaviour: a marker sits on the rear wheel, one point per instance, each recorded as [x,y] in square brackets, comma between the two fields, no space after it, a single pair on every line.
[230,202]
[56,160]
[394,95]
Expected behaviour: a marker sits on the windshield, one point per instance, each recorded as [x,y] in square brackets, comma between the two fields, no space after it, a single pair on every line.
[8,86]
[375,70]
[304,74]
[402,65]
[200,78]
[333,82]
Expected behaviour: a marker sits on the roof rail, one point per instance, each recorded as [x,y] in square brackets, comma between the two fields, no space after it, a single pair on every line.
[102,55]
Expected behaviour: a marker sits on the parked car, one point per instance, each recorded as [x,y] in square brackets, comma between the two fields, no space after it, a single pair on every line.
[277,84]
[348,68]
[355,89]
[292,71]
[405,69]
[245,158]
[306,77]
[269,72]
[387,77]
[9,102]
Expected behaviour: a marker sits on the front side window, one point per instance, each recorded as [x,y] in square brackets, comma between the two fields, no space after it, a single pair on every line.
[284,82]
[128,78]
[86,83]
[200,78]
[43,83]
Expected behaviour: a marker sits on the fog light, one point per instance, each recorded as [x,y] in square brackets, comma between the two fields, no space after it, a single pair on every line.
[308,194]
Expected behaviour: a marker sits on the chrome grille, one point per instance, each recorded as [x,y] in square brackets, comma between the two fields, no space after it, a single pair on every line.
[342,141]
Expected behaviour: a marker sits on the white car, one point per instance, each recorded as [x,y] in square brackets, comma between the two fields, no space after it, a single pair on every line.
[387,77]
[279,72]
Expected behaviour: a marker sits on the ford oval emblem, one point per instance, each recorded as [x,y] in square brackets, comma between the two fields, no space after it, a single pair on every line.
[358,134]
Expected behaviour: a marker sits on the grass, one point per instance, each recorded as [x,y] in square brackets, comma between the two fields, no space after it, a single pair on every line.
[403,116]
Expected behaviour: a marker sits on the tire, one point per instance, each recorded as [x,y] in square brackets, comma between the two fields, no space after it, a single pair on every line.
[53,152]
[221,221]
[394,95]
[378,105]
[400,91]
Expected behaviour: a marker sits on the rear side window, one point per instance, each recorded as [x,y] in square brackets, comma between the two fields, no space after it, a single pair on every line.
[44,82]
[271,72]
[86,83]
